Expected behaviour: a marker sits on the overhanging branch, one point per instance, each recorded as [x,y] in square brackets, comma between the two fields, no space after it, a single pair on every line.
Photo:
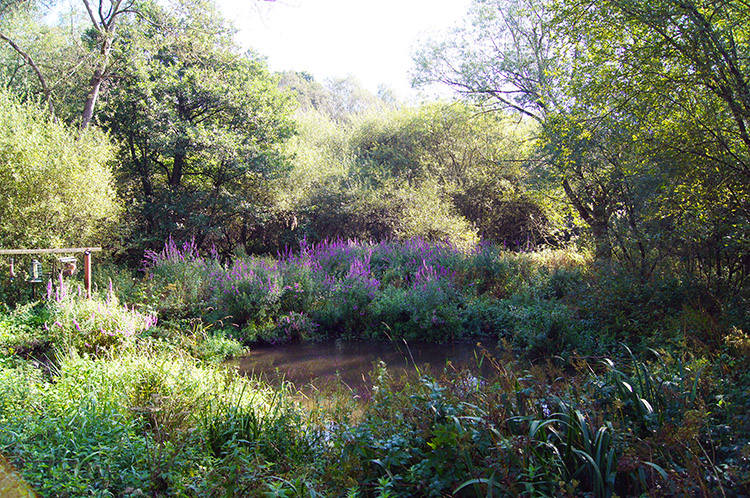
[30,61]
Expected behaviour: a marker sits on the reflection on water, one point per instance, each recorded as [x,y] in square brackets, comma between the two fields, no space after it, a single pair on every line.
[351,362]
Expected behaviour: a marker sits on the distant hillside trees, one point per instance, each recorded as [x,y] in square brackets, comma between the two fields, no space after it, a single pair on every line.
[436,171]
[210,146]
[339,99]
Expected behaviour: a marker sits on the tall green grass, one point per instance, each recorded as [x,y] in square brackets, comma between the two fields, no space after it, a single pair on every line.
[169,425]
[140,421]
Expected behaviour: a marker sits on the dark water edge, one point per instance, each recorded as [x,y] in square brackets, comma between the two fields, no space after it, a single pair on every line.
[352,362]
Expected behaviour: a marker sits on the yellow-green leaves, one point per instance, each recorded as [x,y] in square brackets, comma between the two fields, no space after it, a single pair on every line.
[55,188]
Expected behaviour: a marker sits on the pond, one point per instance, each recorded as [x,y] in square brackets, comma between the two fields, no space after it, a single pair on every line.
[352,362]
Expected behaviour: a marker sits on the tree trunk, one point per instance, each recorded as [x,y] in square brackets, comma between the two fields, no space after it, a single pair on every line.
[177,167]
[91,98]
[96,83]
[600,233]
[597,218]
[105,25]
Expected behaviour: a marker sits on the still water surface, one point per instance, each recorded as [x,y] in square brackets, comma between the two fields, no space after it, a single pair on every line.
[352,362]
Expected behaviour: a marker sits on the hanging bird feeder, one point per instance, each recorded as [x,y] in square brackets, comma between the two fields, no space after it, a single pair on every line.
[69,265]
[35,272]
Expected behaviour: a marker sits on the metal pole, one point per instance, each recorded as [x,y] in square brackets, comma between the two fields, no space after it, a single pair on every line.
[87,273]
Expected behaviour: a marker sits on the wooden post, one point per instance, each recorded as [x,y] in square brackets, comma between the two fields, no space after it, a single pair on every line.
[87,272]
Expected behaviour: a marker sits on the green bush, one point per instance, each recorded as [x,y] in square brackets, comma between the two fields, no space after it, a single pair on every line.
[543,328]
[56,184]
[302,290]
[346,308]
[637,312]
[22,330]
[426,311]
[113,426]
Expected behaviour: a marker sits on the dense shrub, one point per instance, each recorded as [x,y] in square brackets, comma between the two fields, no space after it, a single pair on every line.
[543,303]
[56,184]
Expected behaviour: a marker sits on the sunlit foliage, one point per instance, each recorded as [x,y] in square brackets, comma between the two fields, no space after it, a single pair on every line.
[56,187]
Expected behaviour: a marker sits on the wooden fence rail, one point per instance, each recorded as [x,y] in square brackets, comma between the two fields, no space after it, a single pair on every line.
[11,252]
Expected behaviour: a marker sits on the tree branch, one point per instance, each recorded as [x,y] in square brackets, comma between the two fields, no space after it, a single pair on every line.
[45,89]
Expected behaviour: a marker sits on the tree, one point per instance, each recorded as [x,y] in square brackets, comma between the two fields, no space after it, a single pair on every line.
[56,189]
[612,85]
[311,95]
[104,16]
[507,57]
[8,9]
[202,128]
[504,56]
[679,68]
[69,62]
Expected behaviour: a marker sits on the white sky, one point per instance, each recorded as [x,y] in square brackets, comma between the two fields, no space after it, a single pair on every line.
[372,40]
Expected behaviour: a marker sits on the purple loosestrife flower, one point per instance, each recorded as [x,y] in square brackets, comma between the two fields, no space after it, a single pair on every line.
[62,288]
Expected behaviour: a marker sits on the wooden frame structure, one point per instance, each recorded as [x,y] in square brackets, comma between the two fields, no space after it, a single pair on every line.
[86,259]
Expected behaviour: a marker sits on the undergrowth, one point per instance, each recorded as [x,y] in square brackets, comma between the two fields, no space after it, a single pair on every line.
[545,303]
[612,385]
[149,423]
